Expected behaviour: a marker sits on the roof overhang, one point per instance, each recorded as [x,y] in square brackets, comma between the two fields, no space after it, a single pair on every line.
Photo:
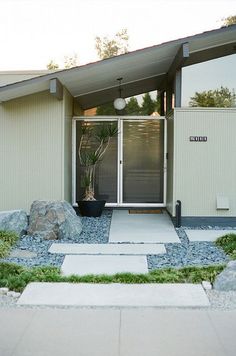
[142,70]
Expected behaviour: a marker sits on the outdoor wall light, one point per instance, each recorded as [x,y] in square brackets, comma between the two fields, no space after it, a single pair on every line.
[119,103]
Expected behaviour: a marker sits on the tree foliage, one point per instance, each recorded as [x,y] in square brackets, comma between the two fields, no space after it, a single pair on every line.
[132,107]
[71,61]
[148,105]
[106,109]
[110,47]
[230,20]
[222,97]
[52,65]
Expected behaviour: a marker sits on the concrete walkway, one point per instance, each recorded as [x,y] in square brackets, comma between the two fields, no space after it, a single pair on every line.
[107,249]
[147,228]
[115,295]
[207,235]
[116,332]
[82,265]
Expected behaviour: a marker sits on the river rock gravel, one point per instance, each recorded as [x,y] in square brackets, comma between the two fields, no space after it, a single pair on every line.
[96,230]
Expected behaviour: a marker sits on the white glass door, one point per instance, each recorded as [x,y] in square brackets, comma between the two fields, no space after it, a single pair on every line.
[133,170]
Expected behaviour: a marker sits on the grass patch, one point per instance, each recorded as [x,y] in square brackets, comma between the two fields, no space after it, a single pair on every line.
[5,248]
[228,244]
[7,240]
[16,277]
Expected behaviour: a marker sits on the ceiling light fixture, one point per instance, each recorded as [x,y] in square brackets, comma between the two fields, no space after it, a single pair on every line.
[119,103]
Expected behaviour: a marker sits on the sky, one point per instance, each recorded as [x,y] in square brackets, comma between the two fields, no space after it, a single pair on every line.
[35,31]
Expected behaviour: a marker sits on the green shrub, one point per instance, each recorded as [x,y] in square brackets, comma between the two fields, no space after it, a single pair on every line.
[7,240]
[17,277]
[228,244]
[10,237]
[4,249]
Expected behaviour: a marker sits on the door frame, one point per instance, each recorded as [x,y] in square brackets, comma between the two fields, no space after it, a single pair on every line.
[119,120]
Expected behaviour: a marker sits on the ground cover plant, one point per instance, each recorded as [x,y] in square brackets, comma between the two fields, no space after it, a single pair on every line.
[16,277]
[7,240]
[228,244]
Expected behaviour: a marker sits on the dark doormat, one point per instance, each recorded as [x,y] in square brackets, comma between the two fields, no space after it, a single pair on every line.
[145,211]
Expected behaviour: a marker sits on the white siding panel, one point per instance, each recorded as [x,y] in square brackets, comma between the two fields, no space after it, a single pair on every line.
[31,152]
[204,170]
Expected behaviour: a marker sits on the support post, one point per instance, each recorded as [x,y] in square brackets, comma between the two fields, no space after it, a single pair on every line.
[162,103]
[178,88]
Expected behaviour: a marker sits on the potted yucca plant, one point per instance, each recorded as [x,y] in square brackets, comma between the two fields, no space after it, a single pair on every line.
[92,148]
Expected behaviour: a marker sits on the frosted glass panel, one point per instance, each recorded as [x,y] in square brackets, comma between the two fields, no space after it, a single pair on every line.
[106,172]
[143,161]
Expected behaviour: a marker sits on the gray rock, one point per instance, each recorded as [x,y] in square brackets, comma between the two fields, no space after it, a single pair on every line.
[226,280]
[14,220]
[53,220]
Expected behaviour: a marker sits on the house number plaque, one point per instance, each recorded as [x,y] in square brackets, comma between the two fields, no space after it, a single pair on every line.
[198,138]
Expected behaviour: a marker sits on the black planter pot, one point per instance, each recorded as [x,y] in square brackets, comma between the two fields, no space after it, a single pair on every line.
[92,208]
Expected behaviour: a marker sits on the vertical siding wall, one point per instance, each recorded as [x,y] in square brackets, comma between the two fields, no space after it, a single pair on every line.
[205,170]
[31,151]
[67,114]
[170,164]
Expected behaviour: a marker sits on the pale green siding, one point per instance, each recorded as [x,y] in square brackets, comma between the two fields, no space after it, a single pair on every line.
[31,151]
[68,114]
[204,170]
[170,165]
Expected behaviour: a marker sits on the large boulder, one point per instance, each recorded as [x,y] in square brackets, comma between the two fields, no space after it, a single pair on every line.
[226,280]
[53,220]
[14,220]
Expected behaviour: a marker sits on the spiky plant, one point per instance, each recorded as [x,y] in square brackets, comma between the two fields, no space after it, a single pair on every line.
[89,156]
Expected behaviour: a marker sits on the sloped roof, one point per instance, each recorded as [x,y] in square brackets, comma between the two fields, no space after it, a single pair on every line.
[142,70]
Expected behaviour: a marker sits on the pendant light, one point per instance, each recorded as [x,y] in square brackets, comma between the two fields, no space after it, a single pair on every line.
[119,103]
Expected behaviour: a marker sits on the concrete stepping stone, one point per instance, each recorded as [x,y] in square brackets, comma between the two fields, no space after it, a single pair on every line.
[107,249]
[99,264]
[207,235]
[114,295]
[144,228]
[17,253]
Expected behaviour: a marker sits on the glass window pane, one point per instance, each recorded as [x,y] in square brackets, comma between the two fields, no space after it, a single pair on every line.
[143,161]
[106,170]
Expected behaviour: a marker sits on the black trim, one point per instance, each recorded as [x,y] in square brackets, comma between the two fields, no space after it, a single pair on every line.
[193,221]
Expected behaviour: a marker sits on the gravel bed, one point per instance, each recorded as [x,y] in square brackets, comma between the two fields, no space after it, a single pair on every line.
[222,300]
[188,253]
[95,230]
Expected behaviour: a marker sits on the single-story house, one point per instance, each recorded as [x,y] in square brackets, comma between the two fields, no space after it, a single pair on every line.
[186,154]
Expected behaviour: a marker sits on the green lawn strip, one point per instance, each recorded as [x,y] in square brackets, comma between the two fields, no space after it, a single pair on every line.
[16,277]
[228,244]
[7,240]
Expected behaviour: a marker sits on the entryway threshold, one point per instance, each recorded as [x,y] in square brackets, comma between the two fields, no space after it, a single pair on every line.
[114,295]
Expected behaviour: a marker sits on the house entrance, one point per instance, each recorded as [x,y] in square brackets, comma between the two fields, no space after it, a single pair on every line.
[133,170]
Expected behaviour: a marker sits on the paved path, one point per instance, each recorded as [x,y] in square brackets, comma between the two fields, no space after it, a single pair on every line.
[115,294]
[207,235]
[107,249]
[103,264]
[147,228]
[116,332]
